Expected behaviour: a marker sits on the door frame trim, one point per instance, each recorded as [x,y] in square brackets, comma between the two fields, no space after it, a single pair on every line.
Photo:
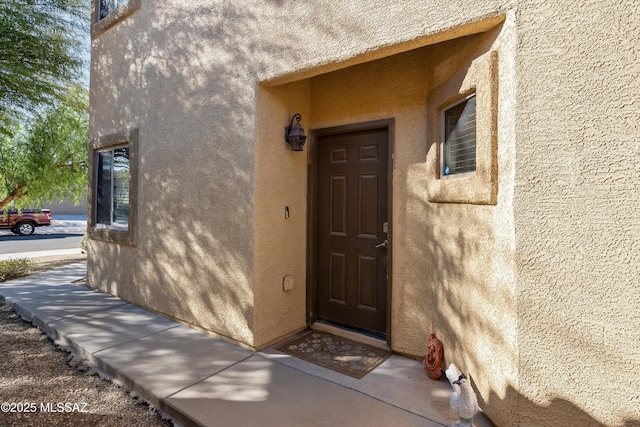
[312,210]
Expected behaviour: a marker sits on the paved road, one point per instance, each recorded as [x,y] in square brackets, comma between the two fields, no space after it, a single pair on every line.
[62,236]
[10,243]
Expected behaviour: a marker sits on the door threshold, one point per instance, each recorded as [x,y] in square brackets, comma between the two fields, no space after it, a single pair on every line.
[349,334]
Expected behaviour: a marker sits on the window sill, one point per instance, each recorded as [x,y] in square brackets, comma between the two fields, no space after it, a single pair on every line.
[115,227]
[110,235]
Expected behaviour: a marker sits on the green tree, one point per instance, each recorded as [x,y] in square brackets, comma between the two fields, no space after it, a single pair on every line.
[48,158]
[40,54]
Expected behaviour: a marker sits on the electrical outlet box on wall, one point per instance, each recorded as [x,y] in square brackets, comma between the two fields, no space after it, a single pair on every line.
[287,283]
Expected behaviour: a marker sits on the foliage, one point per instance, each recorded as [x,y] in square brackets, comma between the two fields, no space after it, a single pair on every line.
[14,268]
[40,44]
[84,243]
[48,159]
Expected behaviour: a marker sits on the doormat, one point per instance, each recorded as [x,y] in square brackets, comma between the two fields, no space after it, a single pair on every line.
[339,354]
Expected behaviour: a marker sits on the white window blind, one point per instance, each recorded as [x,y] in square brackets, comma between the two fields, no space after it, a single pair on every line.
[459,147]
[112,192]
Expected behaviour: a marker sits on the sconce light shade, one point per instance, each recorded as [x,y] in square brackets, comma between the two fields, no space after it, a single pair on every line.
[294,134]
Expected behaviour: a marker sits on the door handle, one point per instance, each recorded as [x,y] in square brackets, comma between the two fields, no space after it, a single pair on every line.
[383,244]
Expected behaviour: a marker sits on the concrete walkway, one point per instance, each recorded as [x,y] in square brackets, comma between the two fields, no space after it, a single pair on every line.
[200,380]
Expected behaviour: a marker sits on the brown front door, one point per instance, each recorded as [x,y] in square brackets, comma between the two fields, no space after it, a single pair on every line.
[352,212]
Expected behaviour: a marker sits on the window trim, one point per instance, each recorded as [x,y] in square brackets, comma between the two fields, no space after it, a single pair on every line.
[100,231]
[480,76]
[99,26]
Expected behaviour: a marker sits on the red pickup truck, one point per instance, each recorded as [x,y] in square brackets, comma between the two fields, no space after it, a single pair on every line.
[26,221]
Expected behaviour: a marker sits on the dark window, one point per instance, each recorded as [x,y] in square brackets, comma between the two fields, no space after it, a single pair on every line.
[459,147]
[108,6]
[112,187]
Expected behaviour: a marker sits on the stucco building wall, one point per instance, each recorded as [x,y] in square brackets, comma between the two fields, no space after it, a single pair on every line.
[157,71]
[280,222]
[577,212]
[530,294]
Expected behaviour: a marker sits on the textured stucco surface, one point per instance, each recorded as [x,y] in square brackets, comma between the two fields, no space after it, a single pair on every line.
[281,182]
[536,297]
[156,71]
[577,211]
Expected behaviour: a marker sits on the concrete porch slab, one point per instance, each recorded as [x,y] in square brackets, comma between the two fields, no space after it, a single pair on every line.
[107,328]
[158,365]
[33,291]
[261,391]
[399,381]
[60,305]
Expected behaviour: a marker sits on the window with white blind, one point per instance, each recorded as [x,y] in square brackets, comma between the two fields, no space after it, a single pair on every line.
[459,138]
[462,114]
[113,187]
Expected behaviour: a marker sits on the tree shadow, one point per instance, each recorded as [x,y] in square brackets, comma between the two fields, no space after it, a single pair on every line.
[462,271]
[186,75]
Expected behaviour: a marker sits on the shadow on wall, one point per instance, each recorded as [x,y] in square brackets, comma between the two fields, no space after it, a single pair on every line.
[533,415]
[467,294]
[194,102]
[457,266]
[185,75]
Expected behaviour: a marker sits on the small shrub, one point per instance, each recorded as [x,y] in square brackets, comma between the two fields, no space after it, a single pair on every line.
[84,243]
[14,268]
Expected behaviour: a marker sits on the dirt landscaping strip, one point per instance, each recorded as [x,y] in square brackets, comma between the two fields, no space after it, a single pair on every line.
[41,385]
[49,262]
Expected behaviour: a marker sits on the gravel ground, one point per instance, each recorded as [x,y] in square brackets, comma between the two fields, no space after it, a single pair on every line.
[39,386]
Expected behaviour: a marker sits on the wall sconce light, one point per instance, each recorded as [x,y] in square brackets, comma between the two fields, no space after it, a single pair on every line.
[294,134]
